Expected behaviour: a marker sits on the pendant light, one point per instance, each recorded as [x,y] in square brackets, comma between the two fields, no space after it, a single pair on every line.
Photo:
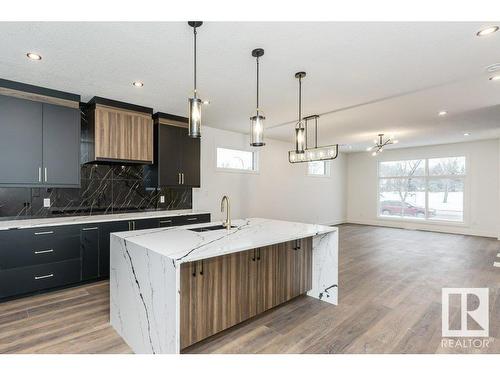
[195,103]
[316,153]
[300,130]
[257,121]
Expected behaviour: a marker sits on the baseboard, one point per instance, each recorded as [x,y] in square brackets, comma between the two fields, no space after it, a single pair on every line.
[412,226]
[335,222]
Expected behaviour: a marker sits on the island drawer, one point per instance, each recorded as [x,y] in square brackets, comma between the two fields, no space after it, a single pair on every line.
[28,247]
[31,279]
[191,219]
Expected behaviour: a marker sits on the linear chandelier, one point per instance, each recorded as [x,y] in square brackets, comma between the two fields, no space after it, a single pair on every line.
[316,153]
[379,145]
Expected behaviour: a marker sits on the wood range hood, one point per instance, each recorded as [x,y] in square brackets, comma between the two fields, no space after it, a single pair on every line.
[117,132]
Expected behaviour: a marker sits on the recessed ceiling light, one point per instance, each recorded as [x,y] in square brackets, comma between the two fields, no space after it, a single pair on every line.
[487,31]
[33,56]
[466,134]
[495,78]
[442,113]
[138,83]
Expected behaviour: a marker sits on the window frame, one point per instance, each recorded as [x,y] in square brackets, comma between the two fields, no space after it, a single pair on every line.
[255,160]
[328,169]
[426,177]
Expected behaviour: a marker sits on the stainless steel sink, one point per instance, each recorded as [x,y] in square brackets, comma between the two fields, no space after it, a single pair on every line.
[212,227]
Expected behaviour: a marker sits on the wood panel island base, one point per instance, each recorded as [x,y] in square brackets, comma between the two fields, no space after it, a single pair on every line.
[173,287]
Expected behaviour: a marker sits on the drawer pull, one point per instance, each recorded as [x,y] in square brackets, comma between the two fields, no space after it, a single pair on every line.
[192,218]
[165,221]
[44,251]
[90,228]
[44,276]
[42,233]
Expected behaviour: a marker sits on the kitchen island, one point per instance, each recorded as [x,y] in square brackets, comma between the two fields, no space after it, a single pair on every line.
[172,287]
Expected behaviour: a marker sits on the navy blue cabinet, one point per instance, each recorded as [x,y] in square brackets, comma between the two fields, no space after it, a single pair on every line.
[38,259]
[89,250]
[40,144]
[105,229]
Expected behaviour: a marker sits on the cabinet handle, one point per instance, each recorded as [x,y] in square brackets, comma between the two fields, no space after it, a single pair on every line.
[133,225]
[39,174]
[182,178]
[165,221]
[258,253]
[194,269]
[44,251]
[45,173]
[299,244]
[90,228]
[253,257]
[192,218]
[201,271]
[178,178]
[44,276]
[43,233]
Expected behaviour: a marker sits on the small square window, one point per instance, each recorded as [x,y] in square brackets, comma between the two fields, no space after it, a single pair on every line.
[318,168]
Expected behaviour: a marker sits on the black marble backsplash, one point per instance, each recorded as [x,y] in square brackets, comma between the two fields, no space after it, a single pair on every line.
[105,189]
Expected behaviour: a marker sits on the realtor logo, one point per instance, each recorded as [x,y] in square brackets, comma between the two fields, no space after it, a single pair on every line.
[472,307]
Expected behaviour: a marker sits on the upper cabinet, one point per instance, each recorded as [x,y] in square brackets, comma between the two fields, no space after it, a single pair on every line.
[117,132]
[176,155]
[39,136]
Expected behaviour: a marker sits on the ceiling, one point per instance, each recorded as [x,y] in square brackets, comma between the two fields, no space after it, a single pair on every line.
[363,77]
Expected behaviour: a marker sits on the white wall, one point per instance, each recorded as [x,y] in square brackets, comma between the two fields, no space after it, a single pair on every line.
[482,187]
[279,190]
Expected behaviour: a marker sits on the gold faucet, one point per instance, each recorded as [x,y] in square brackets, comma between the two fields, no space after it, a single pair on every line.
[226,223]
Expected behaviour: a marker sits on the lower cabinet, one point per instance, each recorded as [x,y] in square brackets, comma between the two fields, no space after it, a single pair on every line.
[89,250]
[32,260]
[105,229]
[217,293]
[30,279]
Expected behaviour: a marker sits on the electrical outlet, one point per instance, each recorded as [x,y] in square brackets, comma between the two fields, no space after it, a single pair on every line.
[46,202]
[162,199]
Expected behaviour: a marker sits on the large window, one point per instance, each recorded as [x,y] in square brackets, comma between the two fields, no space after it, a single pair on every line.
[236,160]
[423,189]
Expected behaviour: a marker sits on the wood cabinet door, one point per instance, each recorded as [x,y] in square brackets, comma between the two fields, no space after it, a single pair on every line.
[295,269]
[123,135]
[214,295]
[268,281]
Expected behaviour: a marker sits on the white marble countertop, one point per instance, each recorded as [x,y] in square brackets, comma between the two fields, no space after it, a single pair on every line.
[69,220]
[183,245]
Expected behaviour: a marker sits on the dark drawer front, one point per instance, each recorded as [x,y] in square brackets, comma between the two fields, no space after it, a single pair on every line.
[191,219]
[31,279]
[27,247]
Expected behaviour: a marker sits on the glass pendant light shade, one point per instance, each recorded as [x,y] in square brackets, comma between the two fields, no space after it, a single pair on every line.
[257,130]
[300,138]
[194,128]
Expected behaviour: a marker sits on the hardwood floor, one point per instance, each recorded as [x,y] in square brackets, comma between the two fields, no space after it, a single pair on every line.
[390,302]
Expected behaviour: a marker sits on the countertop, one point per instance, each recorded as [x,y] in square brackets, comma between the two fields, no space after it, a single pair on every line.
[183,245]
[71,220]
